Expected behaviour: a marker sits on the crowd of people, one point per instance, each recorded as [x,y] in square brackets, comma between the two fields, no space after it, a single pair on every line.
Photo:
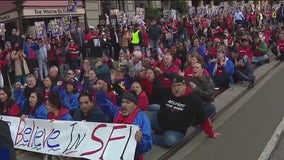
[161,75]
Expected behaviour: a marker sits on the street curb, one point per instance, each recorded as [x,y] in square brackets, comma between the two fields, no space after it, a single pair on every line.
[241,94]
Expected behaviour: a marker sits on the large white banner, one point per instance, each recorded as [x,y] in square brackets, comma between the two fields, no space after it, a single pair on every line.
[74,139]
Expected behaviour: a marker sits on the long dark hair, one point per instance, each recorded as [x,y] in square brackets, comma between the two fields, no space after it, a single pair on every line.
[40,99]
[55,100]
[9,102]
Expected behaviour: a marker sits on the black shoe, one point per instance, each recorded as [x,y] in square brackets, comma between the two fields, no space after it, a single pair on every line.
[251,85]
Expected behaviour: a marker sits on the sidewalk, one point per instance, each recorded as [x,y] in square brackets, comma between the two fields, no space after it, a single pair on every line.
[222,101]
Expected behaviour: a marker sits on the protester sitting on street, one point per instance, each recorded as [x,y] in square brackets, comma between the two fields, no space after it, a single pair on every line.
[246,49]
[222,70]
[54,75]
[102,70]
[260,50]
[143,101]
[179,109]
[6,143]
[152,86]
[90,80]
[55,108]
[243,69]
[88,111]
[166,69]
[192,60]
[8,105]
[48,87]
[22,93]
[121,75]
[37,108]
[69,96]
[280,47]
[84,69]
[199,48]
[128,113]
[203,85]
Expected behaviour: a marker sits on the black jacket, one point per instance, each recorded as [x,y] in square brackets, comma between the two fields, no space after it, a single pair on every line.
[6,142]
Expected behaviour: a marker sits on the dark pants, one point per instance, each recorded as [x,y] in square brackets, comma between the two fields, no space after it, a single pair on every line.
[243,75]
[32,64]
[222,81]
[116,49]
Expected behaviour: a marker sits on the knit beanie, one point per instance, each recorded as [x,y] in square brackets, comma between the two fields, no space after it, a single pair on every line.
[131,96]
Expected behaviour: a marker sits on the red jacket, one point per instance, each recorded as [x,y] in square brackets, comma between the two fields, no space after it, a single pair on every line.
[143,101]
[165,79]
[13,110]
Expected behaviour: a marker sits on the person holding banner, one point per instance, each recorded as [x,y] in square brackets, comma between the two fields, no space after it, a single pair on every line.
[128,113]
[55,108]
[6,143]
[88,111]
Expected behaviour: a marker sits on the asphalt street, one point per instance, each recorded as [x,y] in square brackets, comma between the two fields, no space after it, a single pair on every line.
[246,133]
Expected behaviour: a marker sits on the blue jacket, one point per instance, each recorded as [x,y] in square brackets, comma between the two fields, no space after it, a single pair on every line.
[141,120]
[201,50]
[27,48]
[229,68]
[70,101]
[21,100]
[40,112]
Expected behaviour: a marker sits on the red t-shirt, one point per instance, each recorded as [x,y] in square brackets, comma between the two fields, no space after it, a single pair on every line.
[246,51]
[281,45]
[32,54]
[72,48]
[219,71]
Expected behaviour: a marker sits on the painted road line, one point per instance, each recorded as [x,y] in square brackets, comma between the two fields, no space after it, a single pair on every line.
[266,153]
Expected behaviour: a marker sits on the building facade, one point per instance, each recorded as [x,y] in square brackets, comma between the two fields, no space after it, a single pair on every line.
[21,14]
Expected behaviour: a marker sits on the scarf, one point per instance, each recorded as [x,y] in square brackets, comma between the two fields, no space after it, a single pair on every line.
[128,119]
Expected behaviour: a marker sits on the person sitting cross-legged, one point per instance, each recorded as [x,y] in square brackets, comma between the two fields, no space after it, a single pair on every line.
[180,108]
[243,70]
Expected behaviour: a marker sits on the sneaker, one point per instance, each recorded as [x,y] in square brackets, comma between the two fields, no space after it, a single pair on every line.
[251,85]
[217,88]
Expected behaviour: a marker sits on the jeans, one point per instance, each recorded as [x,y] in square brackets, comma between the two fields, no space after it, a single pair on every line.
[169,138]
[209,110]
[260,60]
[42,65]
[154,107]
